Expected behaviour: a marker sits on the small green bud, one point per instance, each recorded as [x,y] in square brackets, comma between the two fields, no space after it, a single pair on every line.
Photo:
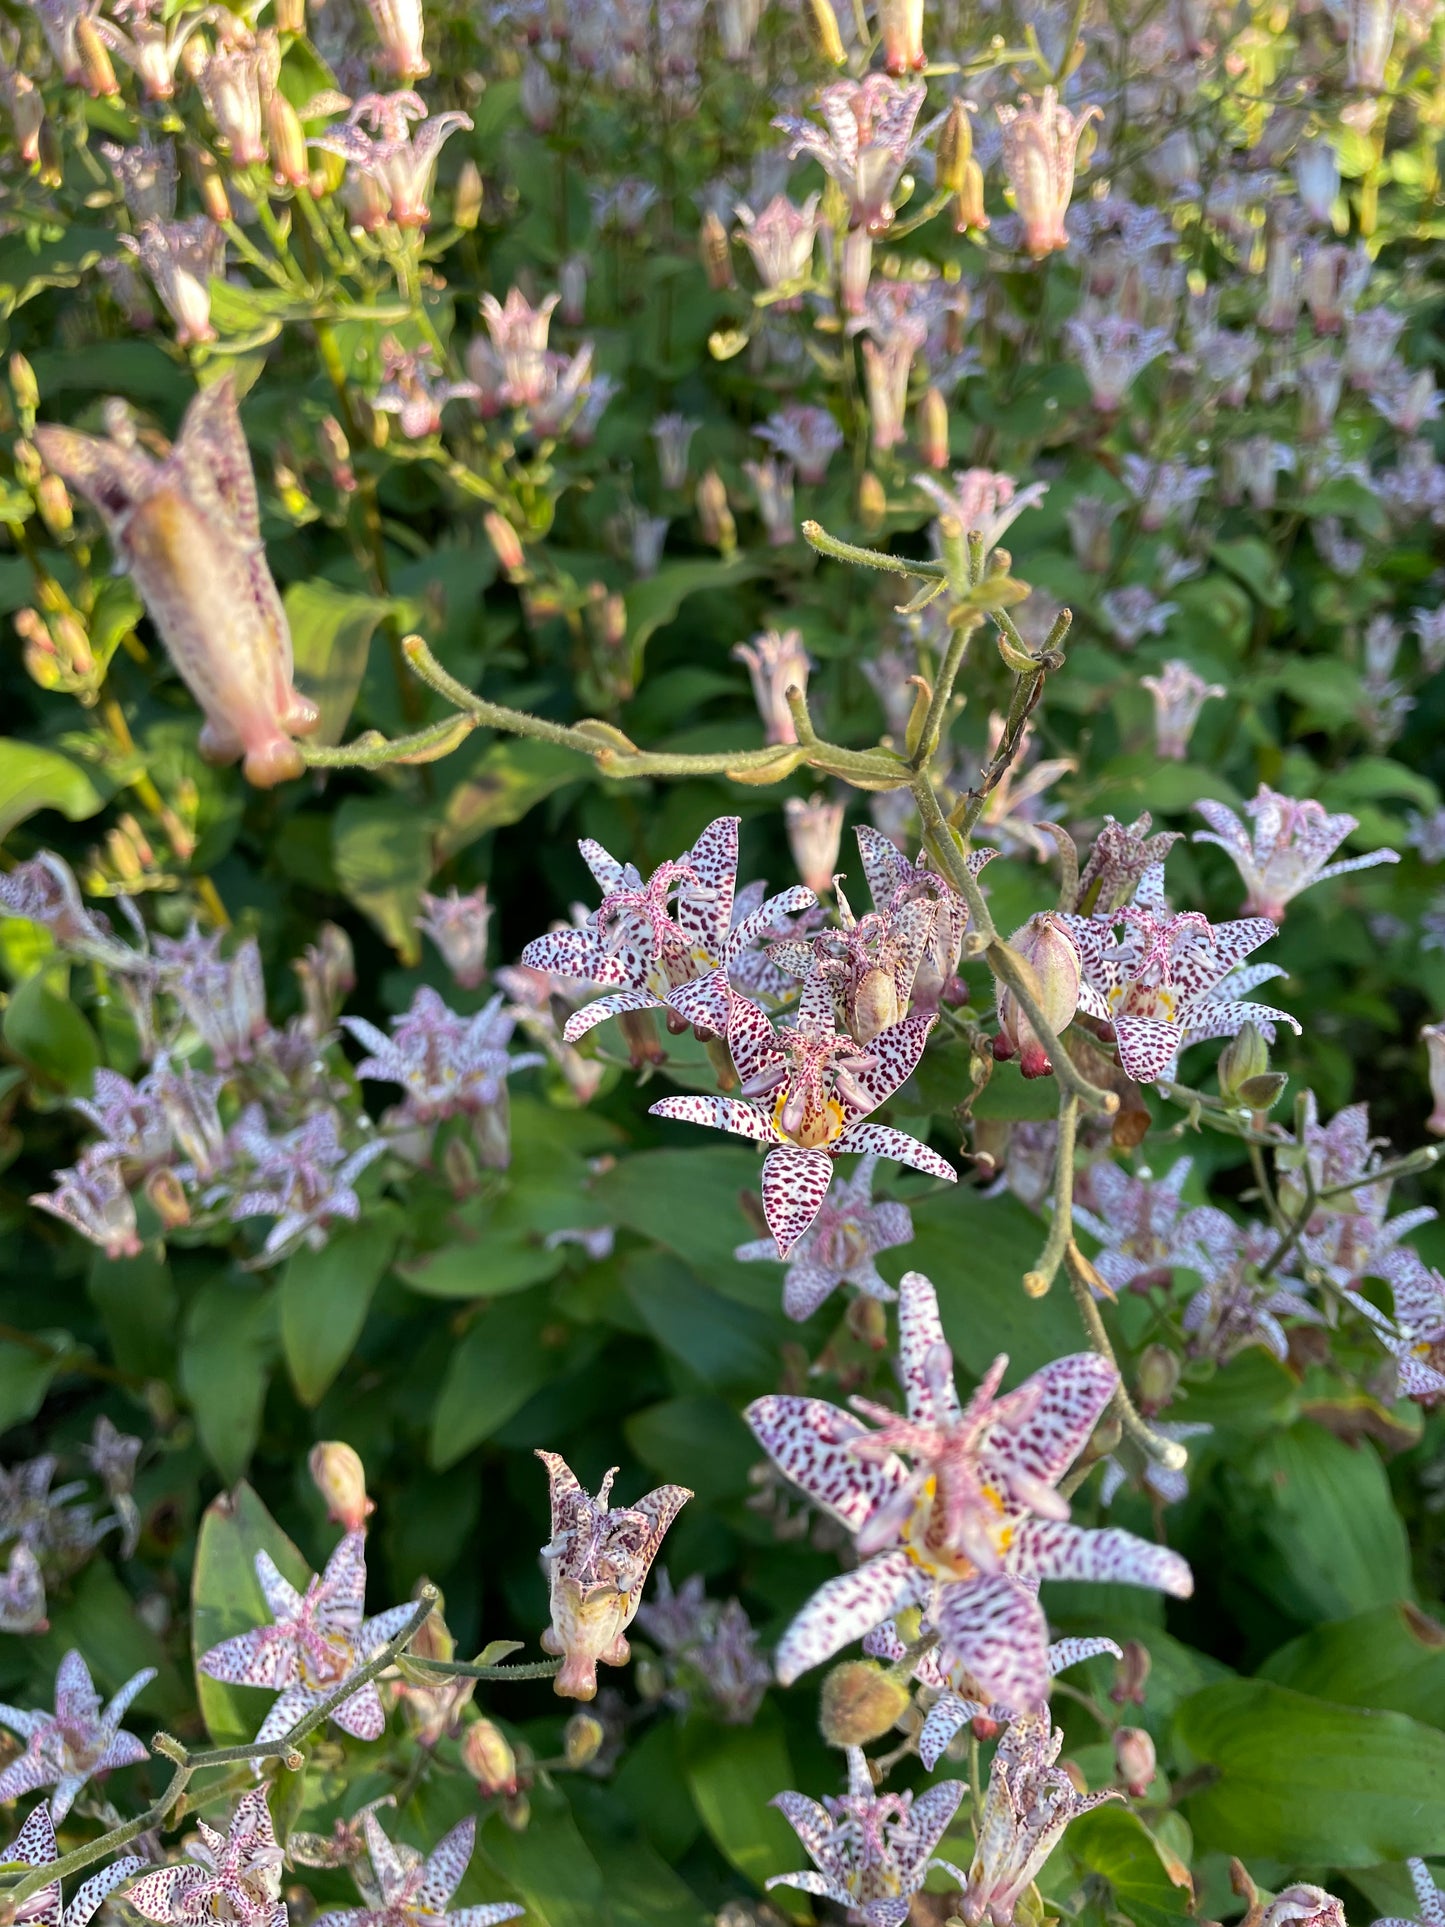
[860,1702]
[1245,1056]
[582,1740]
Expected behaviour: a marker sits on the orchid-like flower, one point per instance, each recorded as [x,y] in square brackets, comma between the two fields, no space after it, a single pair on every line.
[406,1889]
[303,1178]
[840,1246]
[872,1851]
[668,943]
[446,1064]
[1113,351]
[1040,152]
[872,962]
[42,1517]
[1290,848]
[35,1846]
[224,997]
[1122,856]
[400,163]
[1143,1224]
[236,82]
[75,1744]
[415,392]
[146,176]
[1233,1311]
[981,501]
[22,1594]
[1179,695]
[315,1642]
[780,240]
[400,28]
[807,437]
[91,1197]
[776,661]
[517,352]
[458,926]
[181,259]
[894,881]
[967,1529]
[156,41]
[1168,981]
[814,831]
[806,1091]
[1029,1803]
[864,143]
[188,530]
[597,1562]
[1430,1900]
[710,1648]
[233,1876]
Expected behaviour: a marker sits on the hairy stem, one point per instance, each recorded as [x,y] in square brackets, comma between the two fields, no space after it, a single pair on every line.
[1061,1227]
[1166,1452]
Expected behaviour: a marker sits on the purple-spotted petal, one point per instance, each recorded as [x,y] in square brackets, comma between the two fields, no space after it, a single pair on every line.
[996,1628]
[719,1114]
[925,1364]
[885,1142]
[795,1183]
[810,1442]
[1057,1549]
[845,1608]
[616,1004]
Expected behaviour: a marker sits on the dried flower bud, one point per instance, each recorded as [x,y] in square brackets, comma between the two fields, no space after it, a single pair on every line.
[715,252]
[955,148]
[467,203]
[1051,958]
[339,1476]
[582,1740]
[933,429]
[1132,1675]
[860,1702]
[1157,1378]
[1260,1093]
[487,1755]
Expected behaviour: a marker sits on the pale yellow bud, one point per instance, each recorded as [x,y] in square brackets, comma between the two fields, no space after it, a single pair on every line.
[340,1477]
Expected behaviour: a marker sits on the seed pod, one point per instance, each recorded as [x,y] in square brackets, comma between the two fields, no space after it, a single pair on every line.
[860,1702]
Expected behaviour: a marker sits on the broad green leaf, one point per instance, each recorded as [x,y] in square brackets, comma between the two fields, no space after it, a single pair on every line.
[136,1299]
[496,1367]
[325,1296]
[49,1034]
[25,1377]
[28,266]
[688,1201]
[733,1772]
[99,1618]
[1008,1094]
[493,1267]
[1305,1781]
[642,1889]
[226,1598]
[548,1863]
[331,631]
[381,850]
[657,599]
[723,1342]
[499,782]
[1252,1393]
[1115,1844]
[651,1781]
[227,1350]
[700,1441]
[1392,1657]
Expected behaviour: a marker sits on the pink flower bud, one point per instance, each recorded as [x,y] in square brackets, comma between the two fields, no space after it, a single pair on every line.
[339,1476]
[488,1756]
[1433,1038]
[1134,1759]
[1049,954]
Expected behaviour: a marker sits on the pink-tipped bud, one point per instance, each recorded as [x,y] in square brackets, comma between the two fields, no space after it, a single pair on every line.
[97,75]
[715,251]
[1134,1759]
[488,1756]
[1132,1675]
[933,429]
[1054,970]
[506,545]
[340,1477]
[287,140]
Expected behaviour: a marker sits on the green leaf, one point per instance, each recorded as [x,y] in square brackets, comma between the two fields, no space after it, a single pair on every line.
[733,1772]
[25,1377]
[331,631]
[1252,1393]
[1115,1844]
[226,1598]
[688,1201]
[28,266]
[723,1342]
[99,1618]
[642,1889]
[494,1370]
[700,1441]
[548,1863]
[136,1299]
[1009,1095]
[46,1030]
[658,598]
[325,1296]
[494,1267]
[35,778]
[1304,1781]
[381,850]
[500,782]
[226,1356]
[1391,1657]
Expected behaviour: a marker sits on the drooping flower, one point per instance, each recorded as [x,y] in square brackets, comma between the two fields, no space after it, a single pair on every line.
[414,391]
[894,881]
[872,1851]
[668,943]
[458,925]
[672,435]
[43,890]
[887,366]
[75,1744]
[597,1562]
[710,1649]
[155,43]
[1113,350]
[112,1455]
[304,1178]
[518,347]
[1133,611]
[233,1876]
[1179,693]
[399,162]
[1144,1226]
[780,240]
[146,175]
[1163,981]
[776,662]
[840,1246]
[315,1642]
[35,1846]
[807,437]
[181,259]
[1430,1900]
[968,1527]
[400,28]
[91,1197]
[1029,1803]
[772,482]
[806,1091]
[864,143]
[224,998]
[22,1594]
[43,1518]
[1040,152]
[1121,857]
[815,831]
[1233,1310]
[408,1889]
[1289,850]
[981,501]
[188,530]
[237,81]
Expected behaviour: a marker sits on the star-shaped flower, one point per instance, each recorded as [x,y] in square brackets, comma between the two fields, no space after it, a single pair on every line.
[840,1245]
[403,1889]
[1165,981]
[314,1642]
[77,1743]
[966,1529]
[806,1089]
[34,1846]
[1290,848]
[446,1064]
[872,1851]
[1143,1225]
[233,1876]
[668,942]
[872,962]
[1429,1897]
[597,1562]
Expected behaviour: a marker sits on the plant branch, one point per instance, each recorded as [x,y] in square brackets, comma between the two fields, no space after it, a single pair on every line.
[1061,1227]
[1166,1452]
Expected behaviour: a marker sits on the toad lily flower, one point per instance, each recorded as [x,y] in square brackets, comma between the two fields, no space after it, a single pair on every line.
[1040,152]
[667,943]
[840,1245]
[872,963]
[597,1562]
[403,1889]
[872,1851]
[1167,981]
[233,1877]
[314,1642]
[864,143]
[401,164]
[967,1529]
[893,881]
[1429,1898]
[75,1744]
[806,1090]
[188,530]
[35,1846]
[1029,1803]
[22,1594]
[1289,850]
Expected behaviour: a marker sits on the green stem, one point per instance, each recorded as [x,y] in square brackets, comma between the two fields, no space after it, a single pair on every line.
[1166,1452]
[932,730]
[818,538]
[1061,1229]
[472,1669]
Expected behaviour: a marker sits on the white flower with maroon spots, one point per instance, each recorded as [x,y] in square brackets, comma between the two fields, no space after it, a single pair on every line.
[1289,850]
[806,1089]
[954,1509]
[893,882]
[872,1851]
[403,1888]
[597,1562]
[233,1877]
[34,1846]
[667,943]
[315,1641]
[872,962]
[75,1743]
[1430,1899]
[1144,1227]
[840,1246]
[1164,981]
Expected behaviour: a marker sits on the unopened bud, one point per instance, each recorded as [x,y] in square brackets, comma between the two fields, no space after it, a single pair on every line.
[42,665]
[984,1728]
[506,545]
[860,1702]
[872,500]
[487,1755]
[715,253]
[955,149]
[1245,1055]
[650,1680]
[460,1168]
[1075,1775]
[340,1477]
[1134,1759]
[23,385]
[52,498]
[582,1739]
[97,75]
[287,140]
[933,429]
[167,1198]
[715,518]
[1131,1675]
[289,15]
[868,1321]
[516,1812]
[968,209]
[25,459]
[214,198]
[1053,970]
[826,36]
[1157,1378]
[1260,1093]
[467,203]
